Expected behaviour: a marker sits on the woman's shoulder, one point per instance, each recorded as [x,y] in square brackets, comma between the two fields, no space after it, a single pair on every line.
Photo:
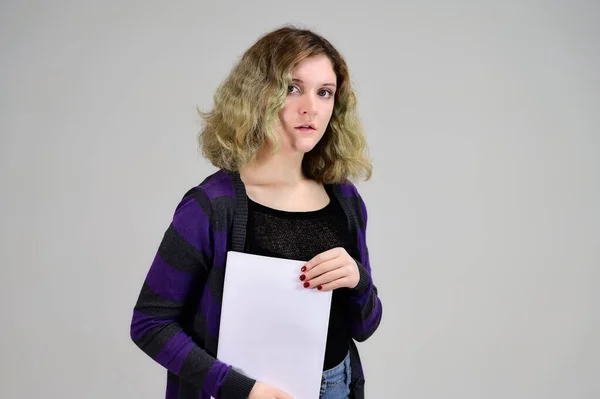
[349,190]
[350,194]
[214,194]
[219,184]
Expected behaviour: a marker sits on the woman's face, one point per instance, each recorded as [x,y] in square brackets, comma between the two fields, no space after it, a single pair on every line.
[309,105]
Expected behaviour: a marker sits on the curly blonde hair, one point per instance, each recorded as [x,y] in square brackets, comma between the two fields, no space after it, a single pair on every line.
[247,104]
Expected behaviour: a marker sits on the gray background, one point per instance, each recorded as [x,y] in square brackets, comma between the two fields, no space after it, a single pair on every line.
[483,120]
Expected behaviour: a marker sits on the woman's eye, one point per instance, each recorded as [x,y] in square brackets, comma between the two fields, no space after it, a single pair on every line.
[325,93]
[291,89]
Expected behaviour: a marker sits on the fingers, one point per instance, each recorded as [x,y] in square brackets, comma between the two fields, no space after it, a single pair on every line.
[323,257]
[339,283]
[327,271]
[325,278]
[322,268]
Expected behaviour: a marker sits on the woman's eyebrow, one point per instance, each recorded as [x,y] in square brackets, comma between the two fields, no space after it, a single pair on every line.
[295,80]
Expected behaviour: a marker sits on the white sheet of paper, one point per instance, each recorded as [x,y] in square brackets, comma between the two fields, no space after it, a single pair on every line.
[272,328]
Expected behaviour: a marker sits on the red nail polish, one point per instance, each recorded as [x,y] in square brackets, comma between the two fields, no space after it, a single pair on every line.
[303,269]
[302,277]
[306,284]
[320,288]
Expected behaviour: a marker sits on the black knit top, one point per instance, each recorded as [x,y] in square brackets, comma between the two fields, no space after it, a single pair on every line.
[301,236]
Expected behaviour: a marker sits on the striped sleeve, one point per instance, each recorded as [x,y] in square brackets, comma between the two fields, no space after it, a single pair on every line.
[179,268]
[366,308]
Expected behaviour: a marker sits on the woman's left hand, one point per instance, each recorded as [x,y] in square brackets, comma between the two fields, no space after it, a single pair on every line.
[330,270]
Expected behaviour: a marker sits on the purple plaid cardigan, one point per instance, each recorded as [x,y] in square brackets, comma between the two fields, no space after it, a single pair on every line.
[176,317]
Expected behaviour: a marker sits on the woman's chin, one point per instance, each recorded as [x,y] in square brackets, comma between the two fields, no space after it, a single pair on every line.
[304,146]
[305,149]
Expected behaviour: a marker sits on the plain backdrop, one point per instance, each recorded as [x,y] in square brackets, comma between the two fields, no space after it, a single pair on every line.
[484,128]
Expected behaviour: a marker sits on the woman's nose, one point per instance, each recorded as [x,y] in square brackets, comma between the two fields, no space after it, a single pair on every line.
[308,106]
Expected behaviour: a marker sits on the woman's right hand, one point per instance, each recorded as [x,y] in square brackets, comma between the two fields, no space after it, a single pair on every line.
[264,391]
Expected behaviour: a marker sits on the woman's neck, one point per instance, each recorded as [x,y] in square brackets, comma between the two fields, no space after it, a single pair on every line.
[274,170]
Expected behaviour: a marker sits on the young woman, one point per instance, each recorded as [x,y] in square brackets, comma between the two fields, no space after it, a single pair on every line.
[286,139]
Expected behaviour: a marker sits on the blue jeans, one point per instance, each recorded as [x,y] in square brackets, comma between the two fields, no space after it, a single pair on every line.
[335,383]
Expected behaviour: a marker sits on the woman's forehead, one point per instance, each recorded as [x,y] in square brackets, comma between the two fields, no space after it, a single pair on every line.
[315,70]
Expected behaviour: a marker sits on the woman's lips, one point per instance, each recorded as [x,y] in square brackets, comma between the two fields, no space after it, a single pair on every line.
[305,129]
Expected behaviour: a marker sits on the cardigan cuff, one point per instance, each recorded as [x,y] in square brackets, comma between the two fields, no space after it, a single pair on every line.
[236,386]
[363,283]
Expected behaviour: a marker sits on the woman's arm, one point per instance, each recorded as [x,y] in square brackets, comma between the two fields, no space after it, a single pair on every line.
[180,266]
[366,308]
[365,305]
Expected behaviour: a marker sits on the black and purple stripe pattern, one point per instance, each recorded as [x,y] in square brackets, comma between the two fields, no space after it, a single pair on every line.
[176,318]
